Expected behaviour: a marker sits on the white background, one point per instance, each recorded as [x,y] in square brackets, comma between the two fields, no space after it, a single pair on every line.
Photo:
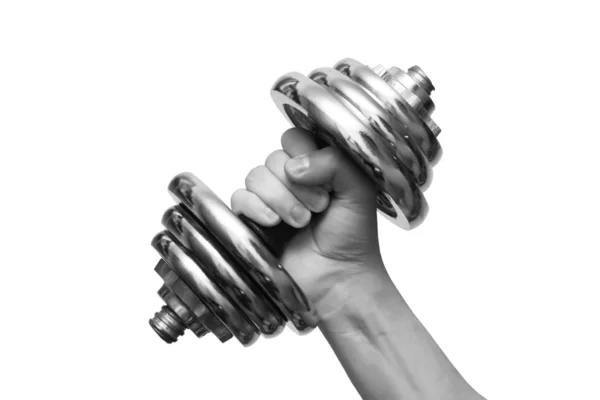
[101,103]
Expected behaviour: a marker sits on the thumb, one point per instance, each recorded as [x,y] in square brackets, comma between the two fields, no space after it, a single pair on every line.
[328,167]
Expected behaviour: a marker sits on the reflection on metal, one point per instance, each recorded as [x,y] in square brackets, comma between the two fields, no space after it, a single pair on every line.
[221,273]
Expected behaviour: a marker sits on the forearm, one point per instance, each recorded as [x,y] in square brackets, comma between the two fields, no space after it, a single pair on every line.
[385,350]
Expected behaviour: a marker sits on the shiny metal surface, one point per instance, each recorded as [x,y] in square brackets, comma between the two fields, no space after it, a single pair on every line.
[201,319]
[248,250]
[366,112]
[217,263]
[415,87]
[378,122]
[211,294]
[396,103]
[220,277]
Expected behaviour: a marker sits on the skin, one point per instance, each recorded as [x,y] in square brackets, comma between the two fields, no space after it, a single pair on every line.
[335,258]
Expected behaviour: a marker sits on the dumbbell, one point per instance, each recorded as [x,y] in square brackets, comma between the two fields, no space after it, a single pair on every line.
[221,272]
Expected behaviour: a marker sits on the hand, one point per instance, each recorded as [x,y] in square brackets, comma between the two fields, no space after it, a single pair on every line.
[338,243]
[335,259]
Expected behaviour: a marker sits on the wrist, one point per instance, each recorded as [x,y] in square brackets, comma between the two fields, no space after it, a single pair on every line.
[355,290]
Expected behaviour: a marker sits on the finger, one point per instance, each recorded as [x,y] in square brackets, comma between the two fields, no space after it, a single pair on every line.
[276,196]
[296,142]
[250,205]
[328,166]
[315,198]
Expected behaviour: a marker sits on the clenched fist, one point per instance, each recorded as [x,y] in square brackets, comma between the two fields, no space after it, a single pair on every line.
[331,200]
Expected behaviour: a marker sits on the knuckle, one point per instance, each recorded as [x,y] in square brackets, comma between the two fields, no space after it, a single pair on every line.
[292,136]
[253,177]
[275,158]
[236,198]
[290,132]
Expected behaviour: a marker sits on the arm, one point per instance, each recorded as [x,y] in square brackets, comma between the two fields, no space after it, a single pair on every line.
[385,350]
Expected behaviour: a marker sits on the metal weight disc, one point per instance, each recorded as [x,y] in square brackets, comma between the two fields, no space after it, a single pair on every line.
[210,293]
[312,106]
[396,104]
[203,320]
[247,250]
[217,264]
[377,121]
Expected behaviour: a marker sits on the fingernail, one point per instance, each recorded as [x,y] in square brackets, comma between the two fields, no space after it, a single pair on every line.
[300,214]
[270,214]
[298,165]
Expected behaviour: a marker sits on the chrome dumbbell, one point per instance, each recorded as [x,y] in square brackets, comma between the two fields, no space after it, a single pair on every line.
[221,273]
